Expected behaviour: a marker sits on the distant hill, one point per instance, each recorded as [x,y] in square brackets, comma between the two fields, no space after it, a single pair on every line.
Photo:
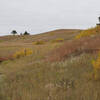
[61,33]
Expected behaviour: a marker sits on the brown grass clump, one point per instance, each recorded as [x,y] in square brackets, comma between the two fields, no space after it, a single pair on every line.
[89,32]
[22,53]
[75,48]
[3,59]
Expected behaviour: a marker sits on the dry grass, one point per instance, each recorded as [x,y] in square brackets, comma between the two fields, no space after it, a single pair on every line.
[33,78]
[96,67]
[64,33]
[89,32]
[75,48]
[43,80]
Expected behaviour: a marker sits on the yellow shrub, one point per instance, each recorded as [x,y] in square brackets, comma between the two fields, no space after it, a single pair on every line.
[96,67]
[89,32]
[57,40]
[39,42]
[22,53]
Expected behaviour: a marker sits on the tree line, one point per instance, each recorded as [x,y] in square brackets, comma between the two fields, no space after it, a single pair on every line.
[14,32]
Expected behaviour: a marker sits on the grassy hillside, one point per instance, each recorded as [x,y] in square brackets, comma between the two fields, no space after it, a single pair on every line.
[10,44]
[59,67]
[91,32]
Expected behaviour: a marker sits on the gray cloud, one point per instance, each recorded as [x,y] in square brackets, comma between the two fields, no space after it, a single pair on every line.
[38,16]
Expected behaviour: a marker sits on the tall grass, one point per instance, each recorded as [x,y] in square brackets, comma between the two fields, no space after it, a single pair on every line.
[96,67]
[42,80]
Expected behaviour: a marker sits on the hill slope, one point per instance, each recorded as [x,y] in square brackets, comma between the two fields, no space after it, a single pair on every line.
[32,77]
[10,44]
[63,33]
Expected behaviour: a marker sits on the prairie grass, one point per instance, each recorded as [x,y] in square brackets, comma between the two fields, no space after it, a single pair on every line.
[44,80]
[32,77]
[96,67]
[75,48]
[89,32]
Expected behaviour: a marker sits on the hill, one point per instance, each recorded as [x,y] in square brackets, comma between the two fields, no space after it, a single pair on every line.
[49,66]
[10,44]
[63,33]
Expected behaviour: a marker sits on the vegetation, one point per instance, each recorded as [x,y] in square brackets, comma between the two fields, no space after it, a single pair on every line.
[89,32]
[96,67]
[41,42]
[14,32]
[57,40]
[26,33]
[54,71]
[22,53]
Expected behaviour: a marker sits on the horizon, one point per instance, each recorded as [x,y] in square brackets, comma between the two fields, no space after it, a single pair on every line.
[36,16]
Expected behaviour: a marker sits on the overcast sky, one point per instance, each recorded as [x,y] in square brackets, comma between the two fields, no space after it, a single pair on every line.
[38,16]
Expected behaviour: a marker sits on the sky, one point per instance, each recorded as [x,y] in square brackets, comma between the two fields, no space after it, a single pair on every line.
[37,16]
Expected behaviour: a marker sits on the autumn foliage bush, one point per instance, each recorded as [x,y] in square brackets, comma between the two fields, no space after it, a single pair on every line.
[57,40]
[40,42]
[89,32]
[22,53]
[96,67]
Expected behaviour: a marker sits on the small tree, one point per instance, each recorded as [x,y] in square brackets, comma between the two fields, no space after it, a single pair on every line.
[14,32]
[26,33]
[21,34]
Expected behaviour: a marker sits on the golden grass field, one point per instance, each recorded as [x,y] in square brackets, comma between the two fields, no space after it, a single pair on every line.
[59,67]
